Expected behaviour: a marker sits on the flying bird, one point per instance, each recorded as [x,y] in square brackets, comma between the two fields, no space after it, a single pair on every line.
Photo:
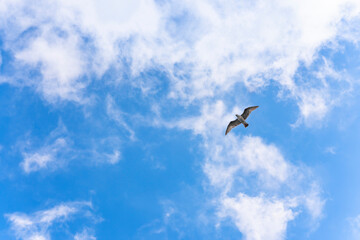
[240,119]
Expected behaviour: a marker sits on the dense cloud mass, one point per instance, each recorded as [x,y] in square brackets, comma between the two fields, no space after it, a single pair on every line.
[214,46]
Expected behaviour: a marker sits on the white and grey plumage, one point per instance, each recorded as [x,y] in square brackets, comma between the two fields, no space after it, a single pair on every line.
[240,119]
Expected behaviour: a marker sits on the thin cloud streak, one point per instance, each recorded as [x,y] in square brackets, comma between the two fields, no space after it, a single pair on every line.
[38,224]
[114,113]
[51,155]
[44,157]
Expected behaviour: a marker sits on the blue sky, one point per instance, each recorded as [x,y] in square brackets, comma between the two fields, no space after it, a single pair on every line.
[113,116]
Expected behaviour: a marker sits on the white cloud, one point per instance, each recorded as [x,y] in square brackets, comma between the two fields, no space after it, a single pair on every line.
[103,150]
[313,104]
[114,157]
[84,235]
[45,156]
[114,113]
[253,183]
[330,150]
[314,202]
[38,224]
[325,89]
[61,64]
[248,156]
[354,223]
[204,47]
[54,39]
[57,149]
[258,218]
[50,155]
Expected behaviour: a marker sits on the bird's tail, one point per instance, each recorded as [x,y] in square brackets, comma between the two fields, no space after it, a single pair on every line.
[246,124]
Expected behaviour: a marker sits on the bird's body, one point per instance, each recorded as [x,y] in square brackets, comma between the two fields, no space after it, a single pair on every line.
[240,119]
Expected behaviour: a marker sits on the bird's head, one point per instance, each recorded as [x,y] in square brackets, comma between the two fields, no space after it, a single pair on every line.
[237,115]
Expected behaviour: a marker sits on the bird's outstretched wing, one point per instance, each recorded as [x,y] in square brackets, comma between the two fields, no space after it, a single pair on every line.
[247,111]
[231,125]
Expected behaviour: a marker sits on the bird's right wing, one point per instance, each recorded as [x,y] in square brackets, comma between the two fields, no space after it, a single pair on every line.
[247,111]
[231,125]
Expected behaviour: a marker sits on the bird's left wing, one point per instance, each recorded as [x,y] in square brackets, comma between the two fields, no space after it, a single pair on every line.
[247,111]
[231,125]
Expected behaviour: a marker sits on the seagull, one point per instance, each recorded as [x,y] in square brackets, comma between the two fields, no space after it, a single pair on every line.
[240,119]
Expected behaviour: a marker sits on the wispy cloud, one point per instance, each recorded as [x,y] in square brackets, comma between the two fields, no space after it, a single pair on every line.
[354,223]
[84,235]
[114,113]
[50,155]
[114,157]
[59,148]
[103,150]
[330,150]
[324,89]
[173,222]
[44,157]
[38,225]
